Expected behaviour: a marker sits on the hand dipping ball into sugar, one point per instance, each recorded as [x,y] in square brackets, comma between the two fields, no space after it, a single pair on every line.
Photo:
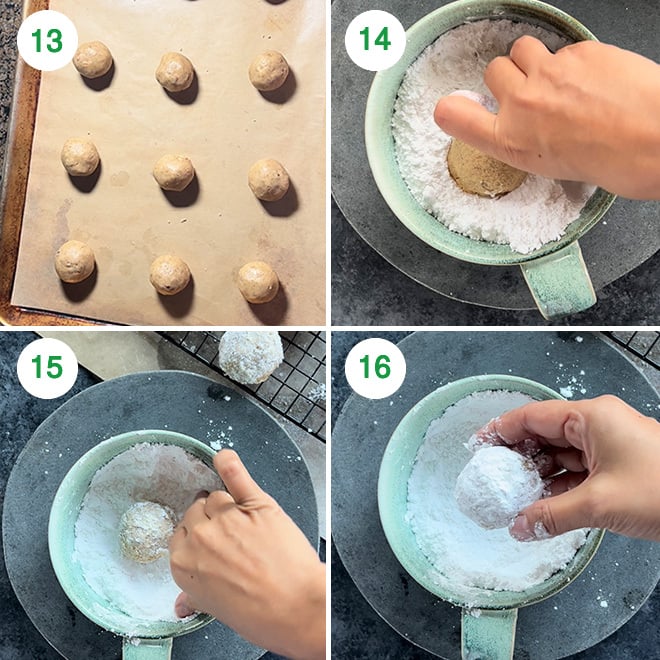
[258,282]
[175,72]
[174,173]
[268,180]
[495,485]
[74,262]
[268,71]
[79,157]
[250,357]
[145,530]
[92,59]
[169,275]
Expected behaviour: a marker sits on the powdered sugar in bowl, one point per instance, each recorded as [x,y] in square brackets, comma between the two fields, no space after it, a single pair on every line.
[130,599]
[482,571]
[413,179]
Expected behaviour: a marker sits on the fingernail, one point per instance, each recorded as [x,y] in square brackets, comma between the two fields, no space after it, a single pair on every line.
[181,607]
[201,493]
[522,530]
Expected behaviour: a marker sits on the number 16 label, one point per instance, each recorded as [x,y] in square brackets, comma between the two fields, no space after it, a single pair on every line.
[47,368]
[375,40]
[375,368]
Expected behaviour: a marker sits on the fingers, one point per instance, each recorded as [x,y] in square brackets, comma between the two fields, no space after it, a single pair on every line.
[559,423]
[527,53]
[183,606]
[240,485]
[466,120]
[502,75]
[552,516]
[565,482]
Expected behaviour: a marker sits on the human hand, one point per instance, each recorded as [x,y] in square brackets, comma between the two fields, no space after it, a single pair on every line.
[610,454]
[586,113]
[239,557]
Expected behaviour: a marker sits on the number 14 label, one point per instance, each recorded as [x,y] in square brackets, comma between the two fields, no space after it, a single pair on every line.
[375,40]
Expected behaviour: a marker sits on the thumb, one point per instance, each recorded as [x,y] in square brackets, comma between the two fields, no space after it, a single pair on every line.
[240,485]
[183,606]
[468,121]
[552,516]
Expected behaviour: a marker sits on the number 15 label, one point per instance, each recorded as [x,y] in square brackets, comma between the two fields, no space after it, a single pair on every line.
[47,368]
[375,40]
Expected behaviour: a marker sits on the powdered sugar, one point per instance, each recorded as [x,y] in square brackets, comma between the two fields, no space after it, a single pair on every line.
[249,357]
[461,551]
[165,474]
[495,485]
[535,213]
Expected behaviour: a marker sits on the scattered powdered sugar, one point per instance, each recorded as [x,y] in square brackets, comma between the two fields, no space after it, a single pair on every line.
[317,394]
[160,473]
[464,554]
[495,485]
[535,213]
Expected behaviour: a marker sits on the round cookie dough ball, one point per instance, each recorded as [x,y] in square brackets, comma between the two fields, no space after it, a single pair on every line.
[74,262]
[79,157]
[92,59]
[479,174]
[145,530]
[169,275]
[268,71]
[268,180]
[258,282]
[250,357]
[174,172]
[175,72]
[495,485]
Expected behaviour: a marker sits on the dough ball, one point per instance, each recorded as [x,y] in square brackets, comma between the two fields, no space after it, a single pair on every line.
[80,157]
[175,72]
[74,262]
[169,275]
[174,172]
[495,485]
[250,357]
[92,59]
[258,282]
[479,174]
[145,530]
[268,180]
[268,71]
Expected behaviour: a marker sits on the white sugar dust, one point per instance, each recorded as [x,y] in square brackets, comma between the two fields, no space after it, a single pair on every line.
[495,485]
[164,479]
[533,214]
[464,553]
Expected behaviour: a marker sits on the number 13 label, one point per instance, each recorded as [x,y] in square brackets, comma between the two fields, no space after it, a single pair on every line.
[375,40]
[47,40]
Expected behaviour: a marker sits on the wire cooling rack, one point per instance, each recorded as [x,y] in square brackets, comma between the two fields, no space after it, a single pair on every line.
[644,344]
[296,390]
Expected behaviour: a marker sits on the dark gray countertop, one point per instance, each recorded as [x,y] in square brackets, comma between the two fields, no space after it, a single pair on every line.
[359,632]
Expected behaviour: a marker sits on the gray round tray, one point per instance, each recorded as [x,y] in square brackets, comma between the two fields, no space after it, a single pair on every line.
[172,400]
[624,571]
[628,235]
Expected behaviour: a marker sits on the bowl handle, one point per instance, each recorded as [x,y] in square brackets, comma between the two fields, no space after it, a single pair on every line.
[136,648]
[488,634]
[560,282]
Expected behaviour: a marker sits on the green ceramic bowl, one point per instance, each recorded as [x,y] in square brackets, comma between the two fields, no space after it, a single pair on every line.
[555,272]
[492,633]
[143,640]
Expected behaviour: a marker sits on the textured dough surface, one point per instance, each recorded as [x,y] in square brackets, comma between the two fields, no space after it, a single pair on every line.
[92,59]
[74,262]
[258,282]
[268,71]
[80,157]
[249,357]
[145,530]
[169,274]
[173,172]
[268,180]
[175,72]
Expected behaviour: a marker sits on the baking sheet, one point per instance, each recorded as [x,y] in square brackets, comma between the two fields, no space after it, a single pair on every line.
[128,220]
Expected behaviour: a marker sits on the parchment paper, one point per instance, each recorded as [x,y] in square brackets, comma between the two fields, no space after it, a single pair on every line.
[127,220]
